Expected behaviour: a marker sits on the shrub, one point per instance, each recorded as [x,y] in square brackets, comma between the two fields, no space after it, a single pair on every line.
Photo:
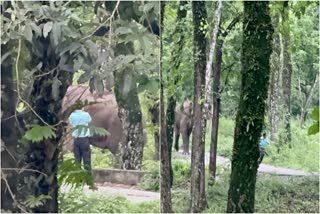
[151,181]
[181,172]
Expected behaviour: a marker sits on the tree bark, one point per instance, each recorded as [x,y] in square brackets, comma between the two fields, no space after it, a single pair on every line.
[198,196]
[170,113]
[43,156]
[286,73]
[165,180]
[130,113]
[216,111]
[307,101]
[212,51]
[9,133]
[274,86]
[126,92]
[255,71]
[216,99]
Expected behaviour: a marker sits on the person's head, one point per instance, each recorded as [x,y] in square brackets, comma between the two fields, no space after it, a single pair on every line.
[264,135]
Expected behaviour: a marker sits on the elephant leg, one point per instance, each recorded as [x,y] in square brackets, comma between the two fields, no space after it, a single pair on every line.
[177,135]
[185,138]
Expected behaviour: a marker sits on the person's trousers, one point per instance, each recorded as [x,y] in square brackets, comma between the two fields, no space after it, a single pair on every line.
[82,152]
[261,155]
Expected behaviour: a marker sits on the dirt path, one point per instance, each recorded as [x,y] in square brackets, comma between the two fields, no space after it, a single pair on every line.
[263,168]
[112,190]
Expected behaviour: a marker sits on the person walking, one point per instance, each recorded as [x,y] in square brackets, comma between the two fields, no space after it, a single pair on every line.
[262,146]
[81,148]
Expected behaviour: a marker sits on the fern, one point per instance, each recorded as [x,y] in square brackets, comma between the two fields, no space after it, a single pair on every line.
[35,201]
[72,174]
[38,133]
[92,129]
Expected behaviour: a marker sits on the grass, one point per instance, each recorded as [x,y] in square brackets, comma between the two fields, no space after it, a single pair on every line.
[273,194]
[77,202]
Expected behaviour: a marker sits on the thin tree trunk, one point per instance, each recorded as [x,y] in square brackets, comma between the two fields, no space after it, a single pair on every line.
[170,113]
[165,180]
[306,104]
[274,86]
[214,37]
[216,99]
[198,196]
[286,73]
[216,111]
[255,71]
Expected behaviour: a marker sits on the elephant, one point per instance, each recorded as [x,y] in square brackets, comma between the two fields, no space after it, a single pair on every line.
[183,124]
[104,114]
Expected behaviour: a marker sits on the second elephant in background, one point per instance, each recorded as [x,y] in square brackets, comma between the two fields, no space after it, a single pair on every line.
[183,125]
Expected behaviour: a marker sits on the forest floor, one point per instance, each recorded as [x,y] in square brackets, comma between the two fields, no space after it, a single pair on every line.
[113,190]
[263,168]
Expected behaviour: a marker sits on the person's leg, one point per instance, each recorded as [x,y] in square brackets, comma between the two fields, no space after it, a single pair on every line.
[86,154]
[77,150]
[261,156]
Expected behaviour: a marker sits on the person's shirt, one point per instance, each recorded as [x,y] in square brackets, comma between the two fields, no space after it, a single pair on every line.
[79,117]
[263,142]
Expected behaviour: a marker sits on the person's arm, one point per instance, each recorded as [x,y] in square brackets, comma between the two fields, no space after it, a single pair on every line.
[70,120]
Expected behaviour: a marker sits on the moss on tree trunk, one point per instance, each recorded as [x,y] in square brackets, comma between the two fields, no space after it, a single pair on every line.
[129,112]
[255,71]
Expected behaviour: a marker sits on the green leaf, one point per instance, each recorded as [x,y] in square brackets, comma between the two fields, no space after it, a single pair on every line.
[78,63]
[123,30]
[38,133]
[56,33]
[315,114]
[55,88]
[314,129]
[98,131]
[71,173]
[47,28]
[28,33]
[32,201]
[36,29]
[85,77]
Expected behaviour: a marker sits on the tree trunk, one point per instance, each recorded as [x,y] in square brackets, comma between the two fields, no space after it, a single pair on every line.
[212,51]
[198,196]
[307,101]
[9,133]
[43,156]
[257,30]
[286,72]
[216,111]
[129,113]
[274,86]
[216,99]
[170,113]
[165,180]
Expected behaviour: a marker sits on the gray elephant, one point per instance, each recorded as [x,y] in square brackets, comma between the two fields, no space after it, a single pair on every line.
[183,125]
[104,114]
